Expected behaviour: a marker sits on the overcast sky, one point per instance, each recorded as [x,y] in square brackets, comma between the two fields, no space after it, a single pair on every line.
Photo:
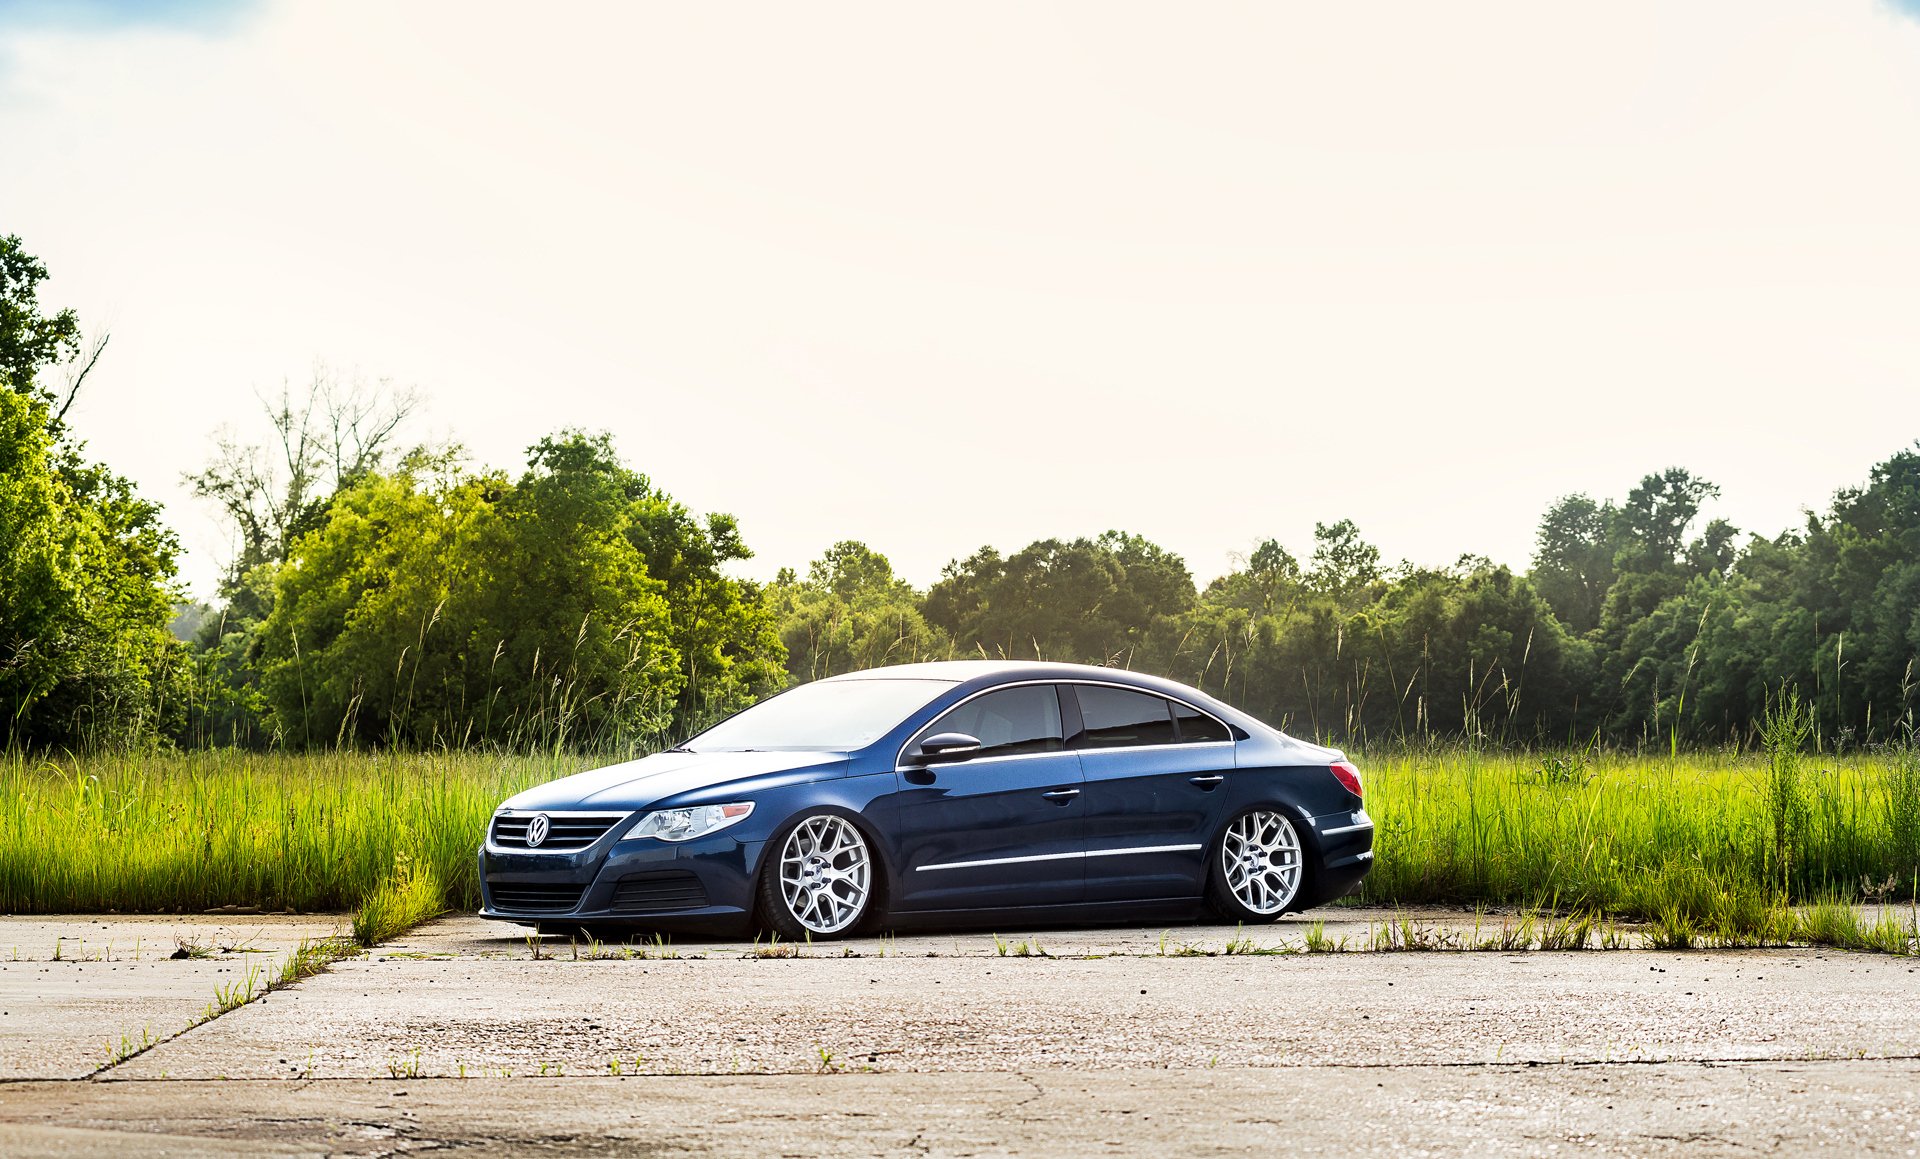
[937,277]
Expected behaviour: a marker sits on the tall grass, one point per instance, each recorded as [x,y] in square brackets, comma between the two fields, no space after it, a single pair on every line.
[1693,839]
[1783,733]
[195,831]
[408,896]
[1635,836]
[1902,787]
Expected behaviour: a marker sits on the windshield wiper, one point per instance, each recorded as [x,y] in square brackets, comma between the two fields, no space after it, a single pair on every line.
[679,748]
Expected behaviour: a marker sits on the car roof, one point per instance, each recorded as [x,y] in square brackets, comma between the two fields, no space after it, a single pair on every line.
[982,673]
[961,671]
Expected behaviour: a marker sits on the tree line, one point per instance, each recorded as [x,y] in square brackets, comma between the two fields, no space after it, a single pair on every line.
[381,595]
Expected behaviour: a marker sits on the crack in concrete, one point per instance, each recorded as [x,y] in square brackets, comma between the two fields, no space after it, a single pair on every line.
[1039,1092]
[1745,1064]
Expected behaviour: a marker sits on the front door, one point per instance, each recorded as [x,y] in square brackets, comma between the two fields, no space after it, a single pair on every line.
[1003,827]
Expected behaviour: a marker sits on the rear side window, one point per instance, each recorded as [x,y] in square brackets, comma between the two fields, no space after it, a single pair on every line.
[1116,718]
[1196,726]
[1008,722]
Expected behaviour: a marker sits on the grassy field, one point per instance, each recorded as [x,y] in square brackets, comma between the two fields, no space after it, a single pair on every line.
[1630,836]
[394,835]
[201,830]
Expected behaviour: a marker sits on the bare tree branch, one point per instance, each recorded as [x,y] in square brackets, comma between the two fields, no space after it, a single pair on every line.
[75,379]
[322,441]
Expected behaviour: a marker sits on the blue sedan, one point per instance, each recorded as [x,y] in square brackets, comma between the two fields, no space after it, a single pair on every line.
[941,794]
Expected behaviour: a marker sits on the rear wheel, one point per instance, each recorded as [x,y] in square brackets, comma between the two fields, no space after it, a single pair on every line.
[1258,868]
[819,881]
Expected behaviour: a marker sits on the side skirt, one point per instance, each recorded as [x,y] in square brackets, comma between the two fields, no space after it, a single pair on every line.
[1077,913]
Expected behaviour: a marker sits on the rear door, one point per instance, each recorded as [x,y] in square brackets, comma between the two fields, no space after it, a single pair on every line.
[1002,828]
[1154,770]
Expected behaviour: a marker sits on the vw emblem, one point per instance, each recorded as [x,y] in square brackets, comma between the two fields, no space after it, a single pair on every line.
[537,830]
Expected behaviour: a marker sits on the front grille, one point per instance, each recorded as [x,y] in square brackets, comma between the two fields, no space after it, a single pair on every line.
[530,897]
[645,893]
[565,833]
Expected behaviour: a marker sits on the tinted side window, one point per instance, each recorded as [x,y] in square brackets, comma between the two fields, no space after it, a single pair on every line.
[1197,726]
[1114,718]
[1011,721]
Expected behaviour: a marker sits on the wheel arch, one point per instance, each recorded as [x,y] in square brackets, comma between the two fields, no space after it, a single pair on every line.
[1313,853]
[880,905]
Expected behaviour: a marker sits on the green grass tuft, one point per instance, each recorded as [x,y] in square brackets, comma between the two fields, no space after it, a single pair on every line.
[404,900]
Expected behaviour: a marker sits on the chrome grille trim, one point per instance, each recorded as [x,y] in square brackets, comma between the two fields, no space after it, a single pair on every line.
[570,831]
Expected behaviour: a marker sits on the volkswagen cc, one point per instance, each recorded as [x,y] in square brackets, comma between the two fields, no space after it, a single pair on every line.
[947,793]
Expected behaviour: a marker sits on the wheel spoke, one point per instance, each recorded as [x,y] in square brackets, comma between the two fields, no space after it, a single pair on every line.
[1260,861]
[825,874]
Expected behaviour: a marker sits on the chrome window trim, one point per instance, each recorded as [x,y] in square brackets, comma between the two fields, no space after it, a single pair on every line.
[1140,748]
[908,743]
[1081,854]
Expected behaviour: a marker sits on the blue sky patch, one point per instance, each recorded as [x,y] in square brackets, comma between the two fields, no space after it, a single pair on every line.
[117,15]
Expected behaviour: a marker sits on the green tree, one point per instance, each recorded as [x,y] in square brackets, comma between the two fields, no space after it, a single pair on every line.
[438,606]
[726,635]
[1344,565]
[1652,524]
[433,604]
[1090,600]
[850,612]
[86,568]
[85,594]
[1270,580]
[30,339]
[335,433]
[1573,560]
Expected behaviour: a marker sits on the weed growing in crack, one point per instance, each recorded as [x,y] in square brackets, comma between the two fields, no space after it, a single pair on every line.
[405,1068]
[774,948]
[1317,941]
[130,1046]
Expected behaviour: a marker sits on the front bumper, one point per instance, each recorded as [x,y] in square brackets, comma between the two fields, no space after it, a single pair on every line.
[641,882]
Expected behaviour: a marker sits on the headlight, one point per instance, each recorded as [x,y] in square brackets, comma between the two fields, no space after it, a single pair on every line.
[686,824]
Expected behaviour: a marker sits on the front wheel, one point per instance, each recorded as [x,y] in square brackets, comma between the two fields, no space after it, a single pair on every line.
[1258,868]
[819,881]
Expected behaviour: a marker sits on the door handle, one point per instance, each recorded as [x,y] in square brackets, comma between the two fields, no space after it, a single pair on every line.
[1207,782]
[1061,796]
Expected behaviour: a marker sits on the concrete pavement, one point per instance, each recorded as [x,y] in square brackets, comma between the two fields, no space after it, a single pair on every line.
[1038,1042]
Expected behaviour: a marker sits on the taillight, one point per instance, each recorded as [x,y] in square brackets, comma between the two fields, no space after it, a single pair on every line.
[1346,774]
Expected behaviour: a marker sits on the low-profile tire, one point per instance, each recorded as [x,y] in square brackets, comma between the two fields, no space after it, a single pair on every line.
[820,880]
[1258,867]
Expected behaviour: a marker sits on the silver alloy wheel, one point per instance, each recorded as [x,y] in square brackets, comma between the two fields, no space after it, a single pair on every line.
[825,874]
[1260,858]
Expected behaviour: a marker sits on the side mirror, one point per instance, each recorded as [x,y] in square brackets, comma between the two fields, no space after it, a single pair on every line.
[944,746]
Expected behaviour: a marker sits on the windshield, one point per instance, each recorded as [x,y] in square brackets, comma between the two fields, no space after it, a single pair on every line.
[827,716]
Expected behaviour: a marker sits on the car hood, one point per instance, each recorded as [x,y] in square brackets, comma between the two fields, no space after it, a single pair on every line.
[635,784]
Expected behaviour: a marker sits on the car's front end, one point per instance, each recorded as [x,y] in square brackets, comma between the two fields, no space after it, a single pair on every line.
[670,842]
